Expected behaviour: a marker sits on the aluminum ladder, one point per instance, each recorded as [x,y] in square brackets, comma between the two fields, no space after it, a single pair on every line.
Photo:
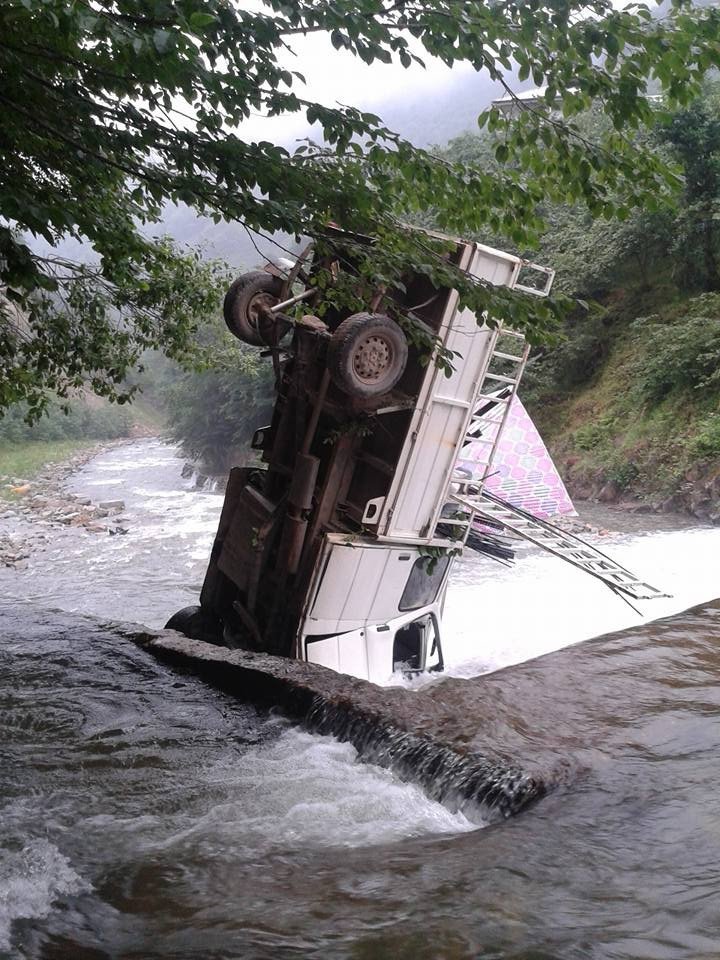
[495,396]
[496,391]
[486,507]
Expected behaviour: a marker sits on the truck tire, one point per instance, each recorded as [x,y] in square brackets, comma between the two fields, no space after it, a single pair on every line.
[244,302]
[367,355]
[197,624]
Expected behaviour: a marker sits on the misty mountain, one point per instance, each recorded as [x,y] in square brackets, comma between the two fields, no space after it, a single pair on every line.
[424,120]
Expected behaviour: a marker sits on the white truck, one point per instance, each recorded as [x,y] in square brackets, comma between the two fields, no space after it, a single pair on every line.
[337,549]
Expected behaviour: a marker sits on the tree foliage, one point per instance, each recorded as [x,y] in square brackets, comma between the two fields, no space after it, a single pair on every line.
[681,353]
[113,108]
[214,409]
[693,135]
[88,324]
[73,420]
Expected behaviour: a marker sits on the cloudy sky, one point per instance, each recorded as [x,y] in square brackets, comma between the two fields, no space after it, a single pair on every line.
[336,76]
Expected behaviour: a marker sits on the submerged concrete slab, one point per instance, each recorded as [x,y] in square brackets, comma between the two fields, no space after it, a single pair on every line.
[387,726]
[499,741]
[494,742]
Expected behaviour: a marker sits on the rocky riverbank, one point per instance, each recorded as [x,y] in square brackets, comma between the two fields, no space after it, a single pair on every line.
[38,506]
[696,494]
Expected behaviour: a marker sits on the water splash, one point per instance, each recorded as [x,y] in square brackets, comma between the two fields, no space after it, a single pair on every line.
[482,789]
[31,881]
[497,616]
[304,791]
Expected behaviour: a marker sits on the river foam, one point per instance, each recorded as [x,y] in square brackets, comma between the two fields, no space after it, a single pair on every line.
[31,881]
[308,791]
[496,616]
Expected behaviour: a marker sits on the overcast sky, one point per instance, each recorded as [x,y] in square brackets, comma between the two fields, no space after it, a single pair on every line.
[336,76]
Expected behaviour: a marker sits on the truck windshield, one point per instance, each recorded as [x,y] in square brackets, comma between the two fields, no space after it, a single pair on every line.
[425,580]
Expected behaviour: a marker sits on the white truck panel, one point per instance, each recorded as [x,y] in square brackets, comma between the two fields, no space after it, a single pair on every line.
[379,644]
[434,453]
[415,499]
[324,652]
[345,654]
[361,583]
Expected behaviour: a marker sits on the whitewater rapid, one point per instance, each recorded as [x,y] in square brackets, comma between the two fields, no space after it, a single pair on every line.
[116,768]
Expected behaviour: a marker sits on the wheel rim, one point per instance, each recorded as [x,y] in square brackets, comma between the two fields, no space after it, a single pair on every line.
[258,307]
[372,359]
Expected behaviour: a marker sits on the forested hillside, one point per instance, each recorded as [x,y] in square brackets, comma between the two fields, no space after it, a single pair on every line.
[629,398]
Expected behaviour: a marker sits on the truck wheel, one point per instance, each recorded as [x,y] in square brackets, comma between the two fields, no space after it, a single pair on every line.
[367,354]
[245,302]
[197,624]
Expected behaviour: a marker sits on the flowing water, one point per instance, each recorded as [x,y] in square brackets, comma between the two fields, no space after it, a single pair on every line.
[145,815]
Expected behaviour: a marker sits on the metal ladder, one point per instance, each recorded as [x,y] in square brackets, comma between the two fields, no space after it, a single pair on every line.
[485,506]
[495,396]
[491,409]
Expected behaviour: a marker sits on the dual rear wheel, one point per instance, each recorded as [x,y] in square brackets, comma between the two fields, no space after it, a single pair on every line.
[367,353]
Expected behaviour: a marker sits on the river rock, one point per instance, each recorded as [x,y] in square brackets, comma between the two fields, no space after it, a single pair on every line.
[701,504]
[188,470]
[112,504]
[609,493]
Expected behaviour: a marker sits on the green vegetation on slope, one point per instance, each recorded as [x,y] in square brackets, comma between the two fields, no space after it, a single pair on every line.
[21,462]
[629,398]
[83,418]
[644,420]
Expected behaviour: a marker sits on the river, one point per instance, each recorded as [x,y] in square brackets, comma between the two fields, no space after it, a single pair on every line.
[145,815]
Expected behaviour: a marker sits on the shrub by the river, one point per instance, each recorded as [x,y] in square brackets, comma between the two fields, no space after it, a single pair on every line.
[82,421]
[681,352]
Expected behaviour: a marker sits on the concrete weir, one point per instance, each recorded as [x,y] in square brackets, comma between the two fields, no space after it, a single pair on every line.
[383,724]
[491,744]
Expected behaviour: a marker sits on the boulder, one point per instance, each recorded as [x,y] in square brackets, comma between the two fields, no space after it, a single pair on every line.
[701,504]
[112,504]
[609,492]
[673,504]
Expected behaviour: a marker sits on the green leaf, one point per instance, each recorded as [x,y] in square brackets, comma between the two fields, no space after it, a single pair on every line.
[198,19]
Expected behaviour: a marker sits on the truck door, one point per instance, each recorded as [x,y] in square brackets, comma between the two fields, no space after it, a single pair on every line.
[416,646]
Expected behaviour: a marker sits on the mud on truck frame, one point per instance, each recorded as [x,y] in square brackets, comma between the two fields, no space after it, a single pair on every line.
[336,549]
